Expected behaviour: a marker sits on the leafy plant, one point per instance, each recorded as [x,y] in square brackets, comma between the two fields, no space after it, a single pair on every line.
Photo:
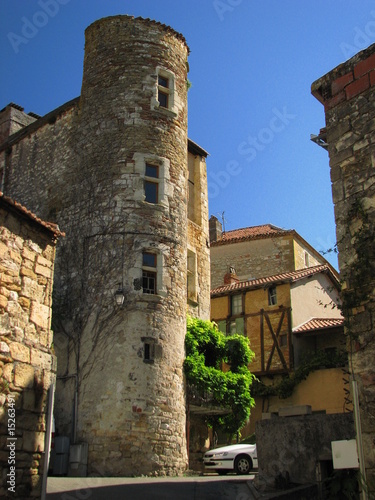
[309,363]
[207,349]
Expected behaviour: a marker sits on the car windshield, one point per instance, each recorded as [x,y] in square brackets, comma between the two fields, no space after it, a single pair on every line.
[248,440]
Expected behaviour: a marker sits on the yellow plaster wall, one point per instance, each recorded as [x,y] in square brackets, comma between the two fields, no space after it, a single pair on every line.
[299,256]
[323,390]
[219,308]
[256,300]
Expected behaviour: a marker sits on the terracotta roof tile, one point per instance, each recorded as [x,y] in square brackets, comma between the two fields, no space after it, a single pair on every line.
[318,324]
[54,228]
[251,233]
[290,277]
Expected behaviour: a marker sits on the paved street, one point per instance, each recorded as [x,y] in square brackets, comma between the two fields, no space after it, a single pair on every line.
[182,488]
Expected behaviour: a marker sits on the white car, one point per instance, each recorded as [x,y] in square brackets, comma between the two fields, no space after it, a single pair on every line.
[238,458]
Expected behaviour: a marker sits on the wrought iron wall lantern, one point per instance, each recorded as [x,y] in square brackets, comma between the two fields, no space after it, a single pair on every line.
[119,295]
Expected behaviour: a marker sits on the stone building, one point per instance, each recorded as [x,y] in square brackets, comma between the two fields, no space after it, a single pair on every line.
[27,361]
[347,93]
[258,251]
[114,168]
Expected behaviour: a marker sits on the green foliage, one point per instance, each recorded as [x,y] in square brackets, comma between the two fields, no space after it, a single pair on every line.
[4,386]
[206,350]
[310,362]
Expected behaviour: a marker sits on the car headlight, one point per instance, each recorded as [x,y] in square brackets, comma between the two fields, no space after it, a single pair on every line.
[219,455]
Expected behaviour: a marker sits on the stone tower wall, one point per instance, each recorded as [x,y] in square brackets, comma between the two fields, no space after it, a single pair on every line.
[347,93]
[84,167]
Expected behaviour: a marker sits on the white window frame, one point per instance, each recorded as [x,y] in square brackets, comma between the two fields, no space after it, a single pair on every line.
[151,269]
[163,180]
[234,306]
[171,91]
[272,295]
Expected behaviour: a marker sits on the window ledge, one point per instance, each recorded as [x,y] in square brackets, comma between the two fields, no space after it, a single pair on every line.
[197,224]
[161,206]
[149,297]
[165,111]
[193,302]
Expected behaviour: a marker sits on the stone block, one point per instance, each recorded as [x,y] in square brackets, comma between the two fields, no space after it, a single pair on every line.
[293,411]
[3,250]
[28,272]
[23,375]
[4,348]
[28,254]
[41,359]
[40,315]
[42,261]
[28,400]
[24,303]
[33,441]
[43,271]
[31,289]
[8,372]
[19,352]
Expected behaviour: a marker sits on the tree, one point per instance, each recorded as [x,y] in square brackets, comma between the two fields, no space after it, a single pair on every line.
[216,366]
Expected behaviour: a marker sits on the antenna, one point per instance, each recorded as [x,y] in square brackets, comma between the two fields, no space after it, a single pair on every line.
[223,221]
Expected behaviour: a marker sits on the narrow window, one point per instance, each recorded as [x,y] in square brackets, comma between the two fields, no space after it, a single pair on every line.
[149,273]
[149,351]
[191,275]
[236,304]
[163,91]
[237,326]
[151,183]
[222,326]
[191,191]
[272,297]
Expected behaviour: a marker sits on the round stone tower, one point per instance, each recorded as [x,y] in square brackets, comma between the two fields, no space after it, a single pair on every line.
[130,184]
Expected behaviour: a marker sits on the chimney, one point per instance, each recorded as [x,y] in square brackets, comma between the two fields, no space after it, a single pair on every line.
[231,277]
[215,229]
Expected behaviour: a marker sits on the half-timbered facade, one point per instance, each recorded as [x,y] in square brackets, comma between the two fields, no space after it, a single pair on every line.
[286,316]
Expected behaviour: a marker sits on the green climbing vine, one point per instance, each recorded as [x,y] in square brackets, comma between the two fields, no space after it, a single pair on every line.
[359,272]
[207,350]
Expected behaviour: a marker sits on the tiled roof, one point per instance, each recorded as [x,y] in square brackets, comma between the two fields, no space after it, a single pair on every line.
[318,324]
[290,277]
[251,233]
[54,228]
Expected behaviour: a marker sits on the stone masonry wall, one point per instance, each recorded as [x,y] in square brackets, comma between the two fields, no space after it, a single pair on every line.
[347,93]
[12,119]
[252,259]
[27,362]
[84,168]
[281,454]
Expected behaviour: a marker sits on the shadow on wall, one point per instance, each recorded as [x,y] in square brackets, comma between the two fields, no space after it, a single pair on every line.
[23,428]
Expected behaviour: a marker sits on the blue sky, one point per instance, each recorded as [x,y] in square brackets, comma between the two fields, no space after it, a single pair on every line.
[252,63]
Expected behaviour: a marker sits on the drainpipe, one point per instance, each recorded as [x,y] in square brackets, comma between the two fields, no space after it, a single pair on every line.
[47,447]
[357,419]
